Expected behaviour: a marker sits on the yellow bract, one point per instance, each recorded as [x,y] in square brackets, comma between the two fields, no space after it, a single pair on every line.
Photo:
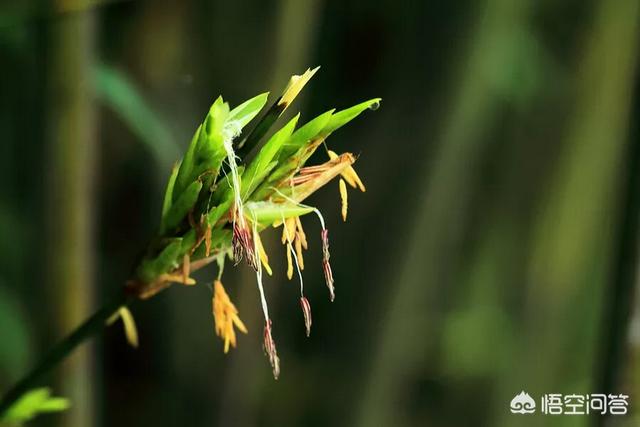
[130,330]
[296,83]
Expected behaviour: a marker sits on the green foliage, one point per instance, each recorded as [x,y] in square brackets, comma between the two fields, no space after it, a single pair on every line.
[304,135]
[179,210]
[246,111]
[32,403]
[202,183]
[168,194]
[151,268]
[343,117]
[267,213]
[262,163]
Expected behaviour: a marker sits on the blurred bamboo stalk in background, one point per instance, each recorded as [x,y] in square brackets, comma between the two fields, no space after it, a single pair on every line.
[617,354]
[573,246]
[70,204]
[429,257]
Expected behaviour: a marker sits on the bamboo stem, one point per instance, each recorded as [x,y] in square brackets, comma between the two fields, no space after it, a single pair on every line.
[60,351]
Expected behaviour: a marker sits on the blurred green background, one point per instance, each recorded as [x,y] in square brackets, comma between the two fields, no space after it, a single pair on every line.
[495,250]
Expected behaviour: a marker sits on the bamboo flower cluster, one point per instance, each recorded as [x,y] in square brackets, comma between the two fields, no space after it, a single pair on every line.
[221,196]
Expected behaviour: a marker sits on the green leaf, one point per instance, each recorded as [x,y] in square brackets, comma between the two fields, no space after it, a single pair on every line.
[286,168]
[120,95]
[216,213]
[32,403]
[246,111]
[266,155]
[305,134]
[185,171]
[181,207]
[210,150]
[268,212]
[343,117]
[251,183]
[206,151]
[150,269]
[168,193]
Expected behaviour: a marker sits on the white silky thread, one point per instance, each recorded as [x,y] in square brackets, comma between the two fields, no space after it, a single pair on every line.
[229,132]
[263,299]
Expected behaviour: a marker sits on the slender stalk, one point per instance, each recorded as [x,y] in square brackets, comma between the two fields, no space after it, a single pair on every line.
[615,323]
[70,162]
[86,330]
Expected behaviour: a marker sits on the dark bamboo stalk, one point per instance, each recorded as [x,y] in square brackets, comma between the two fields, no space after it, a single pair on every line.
[618,308]
[60,351]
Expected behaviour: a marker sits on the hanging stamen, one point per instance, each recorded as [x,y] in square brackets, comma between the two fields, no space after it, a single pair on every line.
[289,266]
[207,241]
[344,199]
[300,233]
[225,315]
[241,240]
[270,349]
[269,343]
[129,324]
[306,311]
[324,234]
[288,229]
[264,259]
[306,308]
[298,246]
[295,257]
[186,268]
[326,267]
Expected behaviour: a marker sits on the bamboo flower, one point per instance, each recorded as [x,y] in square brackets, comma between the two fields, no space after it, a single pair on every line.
[226,316]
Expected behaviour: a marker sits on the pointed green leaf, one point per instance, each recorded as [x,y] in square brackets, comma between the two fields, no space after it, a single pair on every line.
[266,155]
[306,133]
[216,213]
[246,111]
[32,403]
[343,117]
[168,193]
[185,170]
[206,152]
[165,261]
[210,145]
[250,183]
[268,212]
[181,207]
